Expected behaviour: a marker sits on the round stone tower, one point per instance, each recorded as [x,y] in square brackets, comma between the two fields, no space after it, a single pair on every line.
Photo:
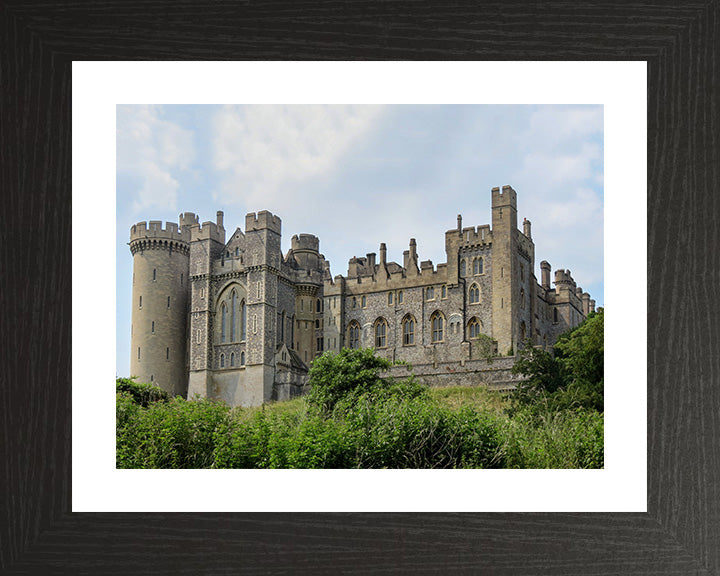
[161,259]
[306,248]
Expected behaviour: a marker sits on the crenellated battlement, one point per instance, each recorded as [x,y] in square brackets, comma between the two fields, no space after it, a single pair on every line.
[505,197]
[473,234]
[305,242]
[263,220]
[208,231]
[154,230]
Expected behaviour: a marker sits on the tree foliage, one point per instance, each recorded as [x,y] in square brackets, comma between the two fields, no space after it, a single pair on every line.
[142,394]
[340,380]
[571,378]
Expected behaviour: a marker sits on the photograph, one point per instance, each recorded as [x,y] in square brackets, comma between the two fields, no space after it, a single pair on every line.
[360,286]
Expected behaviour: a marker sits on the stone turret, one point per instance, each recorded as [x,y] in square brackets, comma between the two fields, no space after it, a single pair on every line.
[505,240]
[159,302]
[545,274]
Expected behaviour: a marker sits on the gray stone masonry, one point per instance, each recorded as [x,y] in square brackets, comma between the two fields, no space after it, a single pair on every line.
[239,321]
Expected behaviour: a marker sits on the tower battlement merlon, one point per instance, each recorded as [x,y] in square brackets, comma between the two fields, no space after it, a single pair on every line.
[505,197]
[263,220]
[154,230]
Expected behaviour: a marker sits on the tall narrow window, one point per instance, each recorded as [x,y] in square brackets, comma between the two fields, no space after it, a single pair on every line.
[232,317]
[474,294]
[167,353]
[154,274]
[555,315]
[522,299]
[317,306]
[354,302]
[182,276]
[480,266]
[522,331]
[138,352]
[242,358]
[400,297]
[476,266]
[223,322]
[168,301]
[363,302]
[222,360]
[408,327]
[380,333]
[354,335]
[443,291]
[152,377]
[140,302]
[237,252]
[390,298]
[232,359]
[243,320]
[436,320]
[474,328]
[152,327]
[430,293]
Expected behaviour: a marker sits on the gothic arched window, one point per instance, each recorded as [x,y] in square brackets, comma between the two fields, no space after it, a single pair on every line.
[243,320]
[222,360]
[474,328]
[437,322]
[474,294]
[354,335]
[408,330]
[380,333]
[223,322]
[233,308]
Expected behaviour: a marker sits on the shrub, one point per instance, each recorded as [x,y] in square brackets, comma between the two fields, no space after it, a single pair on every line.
[353,375]
[419,433]
[571,439]
[173,434]
[142,394]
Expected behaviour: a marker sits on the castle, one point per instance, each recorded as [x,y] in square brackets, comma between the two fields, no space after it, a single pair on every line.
[236,320]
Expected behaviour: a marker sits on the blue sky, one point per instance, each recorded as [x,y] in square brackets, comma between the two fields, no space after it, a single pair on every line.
[357,176]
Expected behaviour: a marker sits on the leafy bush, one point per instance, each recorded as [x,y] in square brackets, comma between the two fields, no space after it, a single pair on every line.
[572,378]
[570,439]
[353,375]
[142,394]
[173,434]
[419,433]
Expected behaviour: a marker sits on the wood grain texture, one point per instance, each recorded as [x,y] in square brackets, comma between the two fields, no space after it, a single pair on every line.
[681,532]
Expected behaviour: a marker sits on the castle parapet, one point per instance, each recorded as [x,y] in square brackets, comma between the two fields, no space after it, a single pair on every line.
[154,230]
[263,220]
[305,242]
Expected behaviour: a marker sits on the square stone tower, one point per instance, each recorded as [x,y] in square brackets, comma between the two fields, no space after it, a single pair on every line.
[504,251]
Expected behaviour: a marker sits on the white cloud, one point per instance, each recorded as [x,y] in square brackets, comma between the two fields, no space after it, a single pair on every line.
[153,151]
[263,151]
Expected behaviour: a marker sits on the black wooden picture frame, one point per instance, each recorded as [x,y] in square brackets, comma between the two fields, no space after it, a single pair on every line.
[680,533]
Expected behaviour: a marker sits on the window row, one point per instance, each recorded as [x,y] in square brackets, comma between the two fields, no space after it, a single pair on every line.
[408,329]
[232,359]
[475,265]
